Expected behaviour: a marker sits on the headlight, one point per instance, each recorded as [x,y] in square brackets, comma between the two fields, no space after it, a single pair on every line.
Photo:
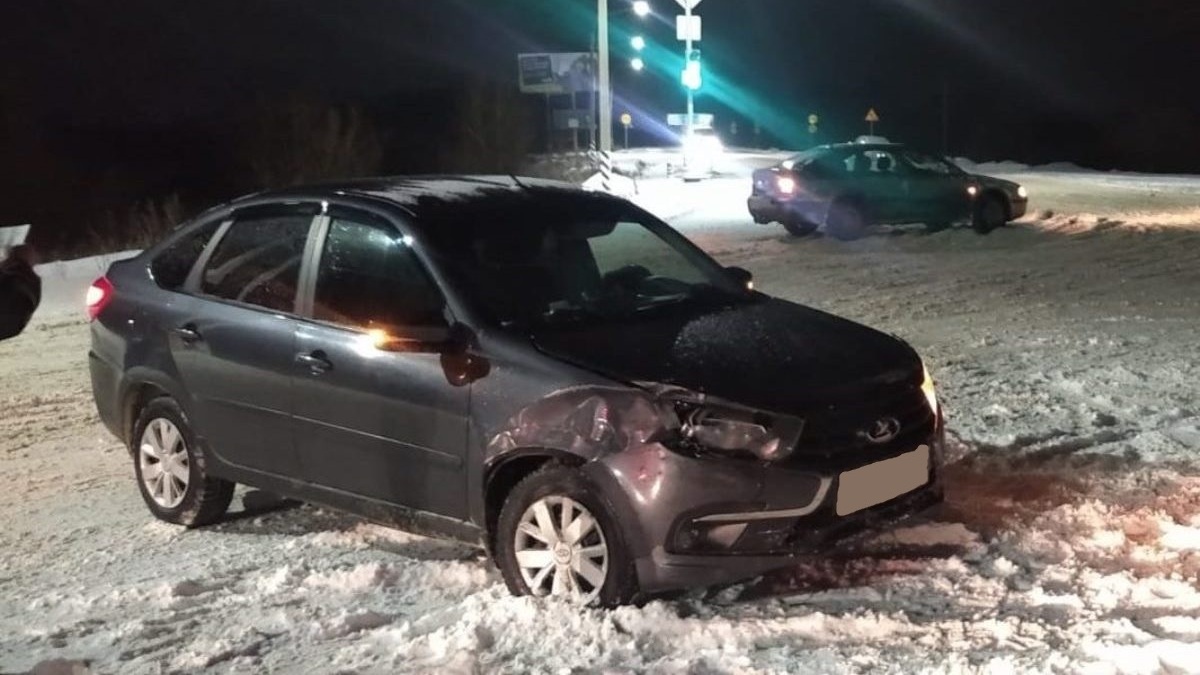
[786,185]
[732,430]
[927,388]
[972,190]
[1022,192]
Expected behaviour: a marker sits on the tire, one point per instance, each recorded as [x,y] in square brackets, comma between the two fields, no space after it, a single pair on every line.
[163,436]
[799,228]
[846,221]
[556,487]
[991,213]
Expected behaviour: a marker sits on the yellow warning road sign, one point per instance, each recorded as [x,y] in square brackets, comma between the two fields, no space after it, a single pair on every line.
[872,116]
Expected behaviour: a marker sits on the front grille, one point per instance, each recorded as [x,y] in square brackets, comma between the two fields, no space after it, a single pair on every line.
[835,436]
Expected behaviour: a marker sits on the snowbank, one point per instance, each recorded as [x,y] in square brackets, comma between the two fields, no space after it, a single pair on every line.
[65,283]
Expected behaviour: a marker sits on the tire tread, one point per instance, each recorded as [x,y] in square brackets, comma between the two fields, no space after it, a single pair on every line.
[209,497]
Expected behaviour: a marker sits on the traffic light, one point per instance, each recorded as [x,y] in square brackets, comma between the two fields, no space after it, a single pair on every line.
[692,74]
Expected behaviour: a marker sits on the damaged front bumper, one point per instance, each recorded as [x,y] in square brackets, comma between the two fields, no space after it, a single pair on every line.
[718,521]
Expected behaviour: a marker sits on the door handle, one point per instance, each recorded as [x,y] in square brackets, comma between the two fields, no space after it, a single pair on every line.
[188,334]
[316,362]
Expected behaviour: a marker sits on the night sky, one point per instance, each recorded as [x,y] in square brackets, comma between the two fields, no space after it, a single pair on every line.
[1093,81]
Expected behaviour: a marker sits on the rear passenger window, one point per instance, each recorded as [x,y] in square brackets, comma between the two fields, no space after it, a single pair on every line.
[257,262]
[172,266]
[369,276]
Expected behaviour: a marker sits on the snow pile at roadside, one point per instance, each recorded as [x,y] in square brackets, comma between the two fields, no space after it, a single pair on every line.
[1008,166]
[1136,221]
[65,283]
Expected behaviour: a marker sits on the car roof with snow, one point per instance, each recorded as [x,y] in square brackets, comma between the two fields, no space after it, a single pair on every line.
[859,146]
[428,197]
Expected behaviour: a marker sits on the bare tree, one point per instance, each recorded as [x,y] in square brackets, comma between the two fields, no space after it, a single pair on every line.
[493,131]
[301,141]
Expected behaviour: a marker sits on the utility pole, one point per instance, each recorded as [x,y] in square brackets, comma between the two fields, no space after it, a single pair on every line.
[606,135]
[687,54]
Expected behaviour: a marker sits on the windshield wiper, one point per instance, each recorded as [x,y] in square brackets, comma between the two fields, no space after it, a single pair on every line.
[705,295]
[570,314]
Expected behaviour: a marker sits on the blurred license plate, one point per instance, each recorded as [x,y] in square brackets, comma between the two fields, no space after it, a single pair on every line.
[879,482]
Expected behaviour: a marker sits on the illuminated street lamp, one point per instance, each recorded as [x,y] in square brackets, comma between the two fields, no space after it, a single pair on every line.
[637,64]
[638,42]
[642,9]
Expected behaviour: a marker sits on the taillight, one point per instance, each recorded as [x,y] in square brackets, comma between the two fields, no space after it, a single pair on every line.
[98,296]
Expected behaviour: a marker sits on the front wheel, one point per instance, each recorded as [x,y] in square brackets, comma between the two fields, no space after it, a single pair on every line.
[799,228]
[171,468]
[990,214]
[846,221]
[556,537]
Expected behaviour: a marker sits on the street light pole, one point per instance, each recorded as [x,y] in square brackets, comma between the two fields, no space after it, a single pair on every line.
[691,97]
[606,139]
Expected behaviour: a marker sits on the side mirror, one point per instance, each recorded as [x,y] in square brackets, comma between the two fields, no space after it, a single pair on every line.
[742,277]
[423,339]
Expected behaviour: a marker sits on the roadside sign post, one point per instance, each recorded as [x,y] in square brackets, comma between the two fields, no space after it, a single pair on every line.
[872,118]
[813,121]
[626,121]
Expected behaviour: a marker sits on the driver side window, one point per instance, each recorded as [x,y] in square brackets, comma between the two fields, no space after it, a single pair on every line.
[369,276]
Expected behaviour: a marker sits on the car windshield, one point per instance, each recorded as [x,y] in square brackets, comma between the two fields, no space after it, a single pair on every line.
[560,266]
[802,159]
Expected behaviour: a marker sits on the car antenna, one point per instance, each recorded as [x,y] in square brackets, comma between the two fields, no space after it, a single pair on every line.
[518,181]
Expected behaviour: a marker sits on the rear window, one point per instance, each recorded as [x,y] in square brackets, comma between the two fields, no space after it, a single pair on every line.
[170,268]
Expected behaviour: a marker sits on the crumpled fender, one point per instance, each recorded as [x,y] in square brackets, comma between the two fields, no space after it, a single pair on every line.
[588,422]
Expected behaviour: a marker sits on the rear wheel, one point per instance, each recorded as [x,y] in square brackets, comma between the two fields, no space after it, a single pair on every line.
[557,537]
[990,213]
[799,228]
[846,221]
[171,468]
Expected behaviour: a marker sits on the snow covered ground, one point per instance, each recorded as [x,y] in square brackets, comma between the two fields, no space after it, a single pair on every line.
[1066,352]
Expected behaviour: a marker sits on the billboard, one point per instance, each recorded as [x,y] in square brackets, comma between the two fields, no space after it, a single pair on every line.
[557,73]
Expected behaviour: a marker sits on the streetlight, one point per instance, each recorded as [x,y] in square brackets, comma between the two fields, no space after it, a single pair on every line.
[642,9]
[637,64]
[638,42]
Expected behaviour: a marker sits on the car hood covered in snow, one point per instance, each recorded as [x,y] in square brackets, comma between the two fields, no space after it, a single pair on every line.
[769,354]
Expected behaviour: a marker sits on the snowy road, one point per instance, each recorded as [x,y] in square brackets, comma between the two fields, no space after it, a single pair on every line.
[1066,353]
